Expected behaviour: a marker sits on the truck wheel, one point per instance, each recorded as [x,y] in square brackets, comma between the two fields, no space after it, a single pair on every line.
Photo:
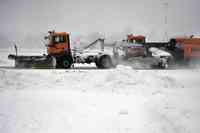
[163,65]
[64,62]
[104,62]
[67,62]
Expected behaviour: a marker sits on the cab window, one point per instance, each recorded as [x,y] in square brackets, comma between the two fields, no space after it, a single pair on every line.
[59,39]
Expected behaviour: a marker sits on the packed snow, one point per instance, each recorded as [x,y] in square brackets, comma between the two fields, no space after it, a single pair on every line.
[89,100]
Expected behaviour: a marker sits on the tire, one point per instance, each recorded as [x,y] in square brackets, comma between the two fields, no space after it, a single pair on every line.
[162,65]
[64,62]
[104,62]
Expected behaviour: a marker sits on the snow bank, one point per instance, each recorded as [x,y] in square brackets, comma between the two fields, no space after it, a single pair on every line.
[89,100]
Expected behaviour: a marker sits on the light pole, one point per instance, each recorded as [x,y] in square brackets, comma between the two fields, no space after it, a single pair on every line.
[165,6]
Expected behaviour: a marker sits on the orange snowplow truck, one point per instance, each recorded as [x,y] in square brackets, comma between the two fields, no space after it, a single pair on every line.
[58,49]
[189,45]
[60,55]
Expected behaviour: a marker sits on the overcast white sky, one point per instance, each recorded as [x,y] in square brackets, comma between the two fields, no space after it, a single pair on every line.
[21,18]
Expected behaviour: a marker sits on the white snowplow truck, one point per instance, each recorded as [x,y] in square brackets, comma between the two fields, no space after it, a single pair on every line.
[60,54]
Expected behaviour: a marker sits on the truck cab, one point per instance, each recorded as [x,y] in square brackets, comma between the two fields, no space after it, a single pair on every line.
[58,46]
[135,46]
[58,43]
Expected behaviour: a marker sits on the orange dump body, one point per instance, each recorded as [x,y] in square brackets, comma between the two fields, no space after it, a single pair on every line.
[138,39]
[59,43]
[191,47]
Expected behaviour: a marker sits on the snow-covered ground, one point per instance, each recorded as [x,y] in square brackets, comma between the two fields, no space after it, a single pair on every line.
[88,100]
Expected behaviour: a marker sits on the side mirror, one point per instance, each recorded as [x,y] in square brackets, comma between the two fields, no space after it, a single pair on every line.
[46,37]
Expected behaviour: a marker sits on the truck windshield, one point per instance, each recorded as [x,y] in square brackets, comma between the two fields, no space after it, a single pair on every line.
[59,39]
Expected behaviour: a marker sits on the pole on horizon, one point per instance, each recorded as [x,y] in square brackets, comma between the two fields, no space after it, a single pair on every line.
[165,6]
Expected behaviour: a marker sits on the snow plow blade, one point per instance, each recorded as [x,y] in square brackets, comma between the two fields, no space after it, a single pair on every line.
[40,62]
